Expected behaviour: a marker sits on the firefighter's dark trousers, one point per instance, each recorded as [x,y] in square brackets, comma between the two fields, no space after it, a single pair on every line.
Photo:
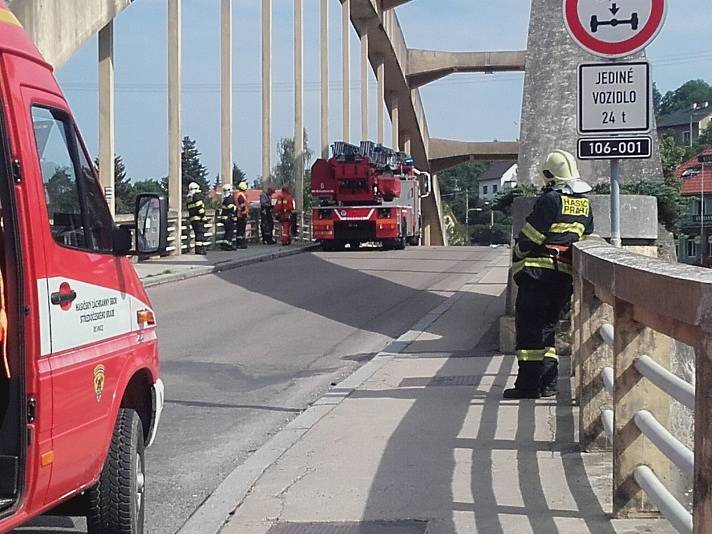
[267,226]
[199,232]
[540,305]
[240,229]
[228,241]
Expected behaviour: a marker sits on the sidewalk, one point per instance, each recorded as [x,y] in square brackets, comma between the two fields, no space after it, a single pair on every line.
[419,441]
[174,268]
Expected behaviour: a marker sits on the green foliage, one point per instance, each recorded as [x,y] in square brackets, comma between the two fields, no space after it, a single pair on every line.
[672,154]
[671,204]
[505,199]
[284,172]
[499,234]
[193,168]
[657,99]
[459,183]
[147,186]
[457,235]
[61,192]
[123,190]
[683,97]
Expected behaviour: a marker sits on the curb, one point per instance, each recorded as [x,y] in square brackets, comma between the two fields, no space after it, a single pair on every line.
[212,515]
[162,279]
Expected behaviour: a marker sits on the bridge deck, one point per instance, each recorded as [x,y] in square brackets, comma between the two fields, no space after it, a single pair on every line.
[427,442]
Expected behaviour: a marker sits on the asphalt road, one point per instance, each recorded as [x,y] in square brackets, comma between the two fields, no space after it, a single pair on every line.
[245,351]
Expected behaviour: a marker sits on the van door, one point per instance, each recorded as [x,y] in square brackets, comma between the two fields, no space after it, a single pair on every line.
[84,298]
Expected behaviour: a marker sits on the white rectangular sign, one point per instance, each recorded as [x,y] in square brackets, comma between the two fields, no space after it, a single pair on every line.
[614,98]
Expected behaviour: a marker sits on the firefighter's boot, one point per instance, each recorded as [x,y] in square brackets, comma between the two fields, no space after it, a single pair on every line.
[550,378]
[528,384]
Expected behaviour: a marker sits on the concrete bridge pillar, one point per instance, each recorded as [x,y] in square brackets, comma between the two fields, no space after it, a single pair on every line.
[346,67]
[380,100]
[266,91]
[364,85]
[226,92]
[325,79]
[395,122]
[175,173]
[107,147]
[299,106]
[549,104]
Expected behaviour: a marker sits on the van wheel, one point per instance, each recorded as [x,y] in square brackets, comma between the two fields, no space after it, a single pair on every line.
[116,504]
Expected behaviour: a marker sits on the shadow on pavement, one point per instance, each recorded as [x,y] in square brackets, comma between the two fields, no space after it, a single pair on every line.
[513,484]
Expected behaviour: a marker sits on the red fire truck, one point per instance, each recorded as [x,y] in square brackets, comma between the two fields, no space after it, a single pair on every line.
[367,194]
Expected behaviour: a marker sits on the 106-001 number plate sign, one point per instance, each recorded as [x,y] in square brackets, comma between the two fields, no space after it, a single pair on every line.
[615,147]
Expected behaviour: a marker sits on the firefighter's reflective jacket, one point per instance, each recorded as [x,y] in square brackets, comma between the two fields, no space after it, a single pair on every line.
[196,208]
[229,209]
[544,245]
[243,206]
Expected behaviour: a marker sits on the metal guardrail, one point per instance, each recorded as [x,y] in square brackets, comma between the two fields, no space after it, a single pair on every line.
[215,230]
[628,310]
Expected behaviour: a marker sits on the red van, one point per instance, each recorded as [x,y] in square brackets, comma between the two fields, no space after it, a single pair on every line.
[80,393]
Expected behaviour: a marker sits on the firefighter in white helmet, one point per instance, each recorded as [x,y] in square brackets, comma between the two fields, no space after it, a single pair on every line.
[196,214]
[243,212]
[228,217]
[542,270]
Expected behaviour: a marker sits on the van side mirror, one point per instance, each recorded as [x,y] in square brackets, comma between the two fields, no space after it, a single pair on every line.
[151,219]
[425,183]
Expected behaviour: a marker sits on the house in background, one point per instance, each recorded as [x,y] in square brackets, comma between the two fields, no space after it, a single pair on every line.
[498,176]
[685,123]
[694,246]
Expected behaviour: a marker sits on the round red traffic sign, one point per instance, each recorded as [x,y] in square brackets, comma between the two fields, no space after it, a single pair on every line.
[611,28]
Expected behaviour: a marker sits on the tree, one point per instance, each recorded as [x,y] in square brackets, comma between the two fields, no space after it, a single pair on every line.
[672,154]
[657,99]
[284,172]
[148,186]
[123,190]
[458,183]
[693,91]
[238,175]
[193,169]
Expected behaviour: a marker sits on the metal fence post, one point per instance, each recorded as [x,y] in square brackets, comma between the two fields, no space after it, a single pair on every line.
[591,356]
[632,394]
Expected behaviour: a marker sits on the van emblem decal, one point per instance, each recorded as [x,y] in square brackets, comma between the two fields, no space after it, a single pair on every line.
[99,378]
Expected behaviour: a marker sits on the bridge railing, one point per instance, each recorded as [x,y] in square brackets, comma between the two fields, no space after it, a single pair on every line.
[215,230]
[628,309]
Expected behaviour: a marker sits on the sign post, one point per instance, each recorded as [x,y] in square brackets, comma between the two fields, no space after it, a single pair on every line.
[614,98]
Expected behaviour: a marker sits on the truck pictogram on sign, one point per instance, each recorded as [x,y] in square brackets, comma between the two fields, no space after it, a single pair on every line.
[614,29]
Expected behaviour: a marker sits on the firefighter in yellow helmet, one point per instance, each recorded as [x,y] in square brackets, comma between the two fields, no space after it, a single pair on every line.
[542,270]
[243,211]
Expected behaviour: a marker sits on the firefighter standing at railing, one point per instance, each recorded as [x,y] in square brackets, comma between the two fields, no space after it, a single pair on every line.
[283,210]
[196,214]
[542,270]
[243,210]
[228,217]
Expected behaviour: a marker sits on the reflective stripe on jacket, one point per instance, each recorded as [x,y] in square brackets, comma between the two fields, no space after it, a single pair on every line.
[556,222]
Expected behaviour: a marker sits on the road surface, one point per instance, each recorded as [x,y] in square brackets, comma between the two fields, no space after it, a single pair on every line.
[245,351]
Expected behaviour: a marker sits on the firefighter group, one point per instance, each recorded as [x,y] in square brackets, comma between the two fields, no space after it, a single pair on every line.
[234,214]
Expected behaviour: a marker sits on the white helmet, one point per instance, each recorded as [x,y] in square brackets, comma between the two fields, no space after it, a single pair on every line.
[227,189]
[560,167]
[193,188]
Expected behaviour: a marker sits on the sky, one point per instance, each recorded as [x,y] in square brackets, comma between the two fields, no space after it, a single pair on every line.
[487,106]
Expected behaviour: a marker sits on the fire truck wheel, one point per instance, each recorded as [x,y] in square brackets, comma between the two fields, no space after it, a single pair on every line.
[117,502]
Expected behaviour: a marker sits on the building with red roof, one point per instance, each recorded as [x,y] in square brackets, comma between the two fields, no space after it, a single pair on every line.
[696,178]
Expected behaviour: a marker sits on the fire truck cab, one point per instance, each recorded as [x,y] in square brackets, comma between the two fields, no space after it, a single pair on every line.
[80,393]
[367,194]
